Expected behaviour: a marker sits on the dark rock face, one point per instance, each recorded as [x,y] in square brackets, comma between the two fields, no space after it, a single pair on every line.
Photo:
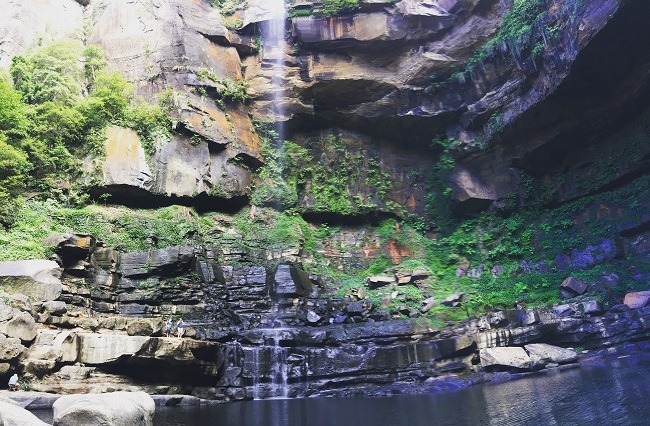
[543,142]
[272,333]
[291,281]
[573,286]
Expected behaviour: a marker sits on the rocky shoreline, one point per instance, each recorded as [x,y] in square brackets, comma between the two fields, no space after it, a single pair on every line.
[32,400]
[95,325]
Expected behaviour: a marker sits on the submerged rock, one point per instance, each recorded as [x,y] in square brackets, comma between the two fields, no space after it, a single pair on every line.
[117,408]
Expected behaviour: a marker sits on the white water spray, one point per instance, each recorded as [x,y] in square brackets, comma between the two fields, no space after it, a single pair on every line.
[271,354]
[274,46]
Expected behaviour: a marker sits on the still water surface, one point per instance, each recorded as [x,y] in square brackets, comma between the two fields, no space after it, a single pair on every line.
[613,392]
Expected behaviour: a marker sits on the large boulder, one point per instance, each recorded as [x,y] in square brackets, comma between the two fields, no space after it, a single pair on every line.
[291,281]
[7,400]
[40,359]
[140,327]
[96,349]
[73,250]
[10,348]
[637,299]
[453,300]
[117,408]
[38,279]
[376,281]
[505,357]
[573,286]
[107,348]
[469,191]
[6,312]
[13,415]
[125,162]
[22,326]
[542,353]
[55,307]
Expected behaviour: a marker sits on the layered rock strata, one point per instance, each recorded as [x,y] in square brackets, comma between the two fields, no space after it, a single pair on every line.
[255,332]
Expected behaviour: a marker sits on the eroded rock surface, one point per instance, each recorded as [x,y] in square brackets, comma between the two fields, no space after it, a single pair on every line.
[38,279]
[13,415]
[123,408]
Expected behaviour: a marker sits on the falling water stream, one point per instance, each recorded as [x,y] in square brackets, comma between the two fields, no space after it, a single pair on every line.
[274,46]
[269,366]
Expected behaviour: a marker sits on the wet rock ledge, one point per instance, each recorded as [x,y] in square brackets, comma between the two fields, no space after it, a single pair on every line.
[91,320]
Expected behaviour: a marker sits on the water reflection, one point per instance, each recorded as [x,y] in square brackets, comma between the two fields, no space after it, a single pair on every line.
[599,394]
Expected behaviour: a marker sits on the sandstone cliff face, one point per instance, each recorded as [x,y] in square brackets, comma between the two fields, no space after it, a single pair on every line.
[164,45]
[24,24]
[391,75]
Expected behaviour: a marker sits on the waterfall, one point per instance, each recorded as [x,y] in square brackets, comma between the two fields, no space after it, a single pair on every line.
[274,46]
[269,366]
[280,377]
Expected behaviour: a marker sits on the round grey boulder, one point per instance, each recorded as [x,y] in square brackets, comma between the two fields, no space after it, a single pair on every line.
[116,408]
[13,415]
[22,326]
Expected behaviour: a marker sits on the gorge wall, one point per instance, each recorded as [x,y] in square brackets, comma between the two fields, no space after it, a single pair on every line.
[482,150]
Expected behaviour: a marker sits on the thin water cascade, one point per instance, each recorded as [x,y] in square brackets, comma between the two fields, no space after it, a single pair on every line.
[274,47]
[279,365]
[269,366]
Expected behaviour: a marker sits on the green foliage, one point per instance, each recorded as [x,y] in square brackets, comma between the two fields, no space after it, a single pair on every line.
[274,188]
[62,100]
[109,100]
[335,174]
[121,228]
[13,112]
[325,171]
[438,212]
[229,7]
[296,13]
[94,61]
[271,229]
[51,73]
[336,7]
[227,89]
[14,170]
[522,25]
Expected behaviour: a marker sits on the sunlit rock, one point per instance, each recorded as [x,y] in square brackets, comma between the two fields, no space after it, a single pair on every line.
[637,299]
[13,415]
[38,279]
[544,353]
[123,408]
[573,286]
[505,357]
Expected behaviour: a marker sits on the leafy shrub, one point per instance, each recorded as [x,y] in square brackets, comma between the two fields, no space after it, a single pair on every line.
[336,7]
